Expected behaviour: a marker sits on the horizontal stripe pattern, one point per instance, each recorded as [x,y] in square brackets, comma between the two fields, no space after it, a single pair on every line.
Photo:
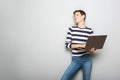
[76,35]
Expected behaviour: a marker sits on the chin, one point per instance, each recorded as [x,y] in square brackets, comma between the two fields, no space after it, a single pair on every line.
[76,22]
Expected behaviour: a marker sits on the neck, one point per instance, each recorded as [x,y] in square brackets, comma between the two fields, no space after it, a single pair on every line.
[81,24]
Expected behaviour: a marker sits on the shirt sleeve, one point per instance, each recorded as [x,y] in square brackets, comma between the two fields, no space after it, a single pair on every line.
[68,39]
[91,32]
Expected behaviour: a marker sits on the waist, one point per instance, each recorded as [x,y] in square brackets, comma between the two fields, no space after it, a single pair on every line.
[80,54]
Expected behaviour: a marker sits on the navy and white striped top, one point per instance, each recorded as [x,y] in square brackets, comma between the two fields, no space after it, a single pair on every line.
[77,35]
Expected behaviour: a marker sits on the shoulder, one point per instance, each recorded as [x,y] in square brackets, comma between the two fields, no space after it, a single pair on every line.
[72,28]
[89,28]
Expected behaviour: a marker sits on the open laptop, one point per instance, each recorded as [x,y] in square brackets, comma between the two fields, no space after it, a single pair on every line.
[96,41]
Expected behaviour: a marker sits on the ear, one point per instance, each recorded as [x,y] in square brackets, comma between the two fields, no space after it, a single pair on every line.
[83,16]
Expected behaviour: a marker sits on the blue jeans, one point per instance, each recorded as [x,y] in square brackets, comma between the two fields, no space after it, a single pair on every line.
[79,62]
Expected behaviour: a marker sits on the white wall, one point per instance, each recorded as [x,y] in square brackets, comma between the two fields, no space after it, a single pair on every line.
[32,35]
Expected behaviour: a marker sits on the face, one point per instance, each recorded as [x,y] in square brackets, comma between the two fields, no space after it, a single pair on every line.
[78,17]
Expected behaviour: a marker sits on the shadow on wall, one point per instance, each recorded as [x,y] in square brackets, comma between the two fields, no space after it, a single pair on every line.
[95,55]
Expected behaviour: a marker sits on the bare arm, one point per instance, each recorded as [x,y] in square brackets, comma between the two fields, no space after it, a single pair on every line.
[78,45]
[82,46]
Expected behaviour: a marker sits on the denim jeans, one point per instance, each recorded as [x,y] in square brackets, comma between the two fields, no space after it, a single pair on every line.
[79,62]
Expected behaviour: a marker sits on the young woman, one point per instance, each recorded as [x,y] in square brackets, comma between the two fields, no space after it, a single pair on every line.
[76,41]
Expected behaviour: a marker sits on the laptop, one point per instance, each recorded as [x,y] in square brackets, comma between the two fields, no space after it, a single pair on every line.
[96,41]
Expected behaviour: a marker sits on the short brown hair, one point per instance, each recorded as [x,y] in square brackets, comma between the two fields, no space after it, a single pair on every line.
[81,12]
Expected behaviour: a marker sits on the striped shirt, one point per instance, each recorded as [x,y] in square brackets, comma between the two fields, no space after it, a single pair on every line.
[77,35]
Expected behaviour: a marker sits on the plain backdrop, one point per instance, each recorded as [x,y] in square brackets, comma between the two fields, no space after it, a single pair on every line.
[32,37]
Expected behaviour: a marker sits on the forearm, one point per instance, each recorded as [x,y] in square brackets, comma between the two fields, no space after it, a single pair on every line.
[77,45]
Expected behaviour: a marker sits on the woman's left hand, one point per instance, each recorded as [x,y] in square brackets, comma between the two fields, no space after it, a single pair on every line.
[92,50]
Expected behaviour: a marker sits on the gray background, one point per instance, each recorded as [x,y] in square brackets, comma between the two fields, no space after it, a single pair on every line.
[32,36]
